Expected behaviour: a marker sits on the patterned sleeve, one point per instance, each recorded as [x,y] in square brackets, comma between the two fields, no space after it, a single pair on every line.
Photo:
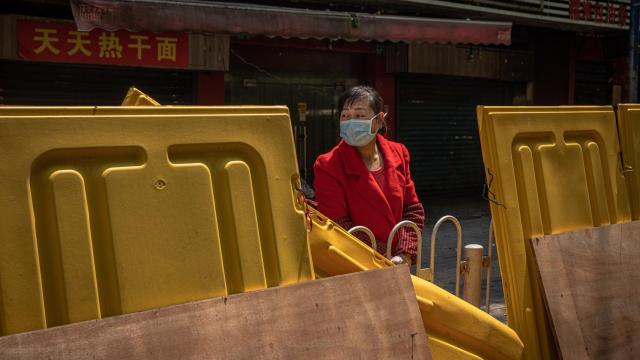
[407,240]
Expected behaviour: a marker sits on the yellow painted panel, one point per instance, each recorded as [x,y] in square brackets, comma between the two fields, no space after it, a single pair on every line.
[146,194]
[629,127]
[565,194]
[248,235]
[138,110]
[136,97]
[550,170]
[76,251]
[166,255]
[460,327]
[442,350]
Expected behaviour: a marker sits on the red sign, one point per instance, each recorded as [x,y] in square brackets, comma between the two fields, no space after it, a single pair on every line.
[61,42]
[600,12]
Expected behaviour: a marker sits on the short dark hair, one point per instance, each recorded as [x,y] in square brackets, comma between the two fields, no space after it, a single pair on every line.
[360,92]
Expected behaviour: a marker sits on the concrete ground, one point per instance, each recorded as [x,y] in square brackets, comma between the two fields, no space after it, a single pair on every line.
[474,216]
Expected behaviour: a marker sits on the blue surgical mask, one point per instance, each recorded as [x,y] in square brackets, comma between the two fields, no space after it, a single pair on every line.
[357,132]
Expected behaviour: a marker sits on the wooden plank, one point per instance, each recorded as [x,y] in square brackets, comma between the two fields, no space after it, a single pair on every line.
[364,315]
[209,52]
[591,282]
[480,62]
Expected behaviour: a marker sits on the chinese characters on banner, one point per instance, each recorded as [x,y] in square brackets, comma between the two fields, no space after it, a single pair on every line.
[61,42]
[601,12]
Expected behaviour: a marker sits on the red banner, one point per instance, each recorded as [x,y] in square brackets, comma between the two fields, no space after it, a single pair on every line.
[61,42]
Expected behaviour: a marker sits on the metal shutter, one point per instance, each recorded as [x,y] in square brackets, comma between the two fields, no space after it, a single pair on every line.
[437,123]
[593,83]
[29,83]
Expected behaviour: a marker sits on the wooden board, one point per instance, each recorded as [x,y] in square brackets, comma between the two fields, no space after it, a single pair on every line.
[366,315]
[591,281]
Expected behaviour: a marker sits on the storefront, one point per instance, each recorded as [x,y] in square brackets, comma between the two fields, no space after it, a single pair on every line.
[308,76]
[438,90]
[438,125]
[48,62]
[254,59]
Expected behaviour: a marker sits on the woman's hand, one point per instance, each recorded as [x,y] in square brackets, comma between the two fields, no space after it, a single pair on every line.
[401,259]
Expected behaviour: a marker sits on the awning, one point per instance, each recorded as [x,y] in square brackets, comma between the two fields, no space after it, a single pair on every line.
[237,18]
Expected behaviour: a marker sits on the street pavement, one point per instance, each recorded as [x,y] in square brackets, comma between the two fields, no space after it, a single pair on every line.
[475,217]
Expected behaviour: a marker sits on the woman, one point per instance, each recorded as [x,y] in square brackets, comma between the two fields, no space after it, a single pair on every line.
[365,179]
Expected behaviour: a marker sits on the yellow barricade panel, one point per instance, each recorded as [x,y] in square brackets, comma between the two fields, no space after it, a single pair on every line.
[442,350]
[549,170]
[138,110]
[457,329]
[629,129]
[136,97]
[104,215]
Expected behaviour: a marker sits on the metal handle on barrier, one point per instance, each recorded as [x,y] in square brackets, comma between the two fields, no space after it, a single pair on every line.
[366,231]
[433,248]
[392,234]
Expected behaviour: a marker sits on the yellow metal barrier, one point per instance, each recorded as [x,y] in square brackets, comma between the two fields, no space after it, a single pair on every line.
[138,110]
[629,129]
[548,170]
[97,199]
[456,329]
[136,97]
[144,207]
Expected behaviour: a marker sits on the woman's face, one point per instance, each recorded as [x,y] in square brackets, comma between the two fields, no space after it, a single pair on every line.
[360,109]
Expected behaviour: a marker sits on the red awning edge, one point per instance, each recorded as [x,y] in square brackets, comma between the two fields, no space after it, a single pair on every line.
[235,18]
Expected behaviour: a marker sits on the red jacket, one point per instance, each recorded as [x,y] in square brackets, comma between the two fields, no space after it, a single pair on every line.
[345,188]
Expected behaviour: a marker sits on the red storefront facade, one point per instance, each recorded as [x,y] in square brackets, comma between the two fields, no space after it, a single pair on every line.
[218,53]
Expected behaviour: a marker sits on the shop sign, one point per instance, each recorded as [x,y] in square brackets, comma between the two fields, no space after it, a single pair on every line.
[61,42]
[599,12]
